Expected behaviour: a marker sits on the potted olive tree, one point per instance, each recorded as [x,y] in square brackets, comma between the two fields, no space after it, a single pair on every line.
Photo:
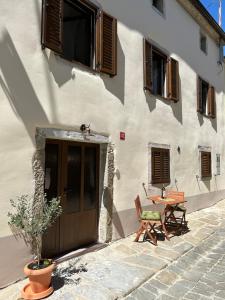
[30,218]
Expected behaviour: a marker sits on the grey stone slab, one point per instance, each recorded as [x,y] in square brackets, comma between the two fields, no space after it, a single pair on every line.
[118,277]
[157,284]
[166,277]
[178,290]
[154,290]
[192,275]
[142,294]
[191,295]
[220,294]
[166,297]
[146,261]
[183,247]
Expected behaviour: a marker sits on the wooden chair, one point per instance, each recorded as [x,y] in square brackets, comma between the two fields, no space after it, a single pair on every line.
[170,215]
[148,220]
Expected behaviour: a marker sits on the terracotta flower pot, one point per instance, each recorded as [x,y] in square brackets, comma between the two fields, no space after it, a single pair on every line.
[40,282]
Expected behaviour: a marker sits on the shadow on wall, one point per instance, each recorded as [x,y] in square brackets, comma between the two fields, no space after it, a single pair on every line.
[18,88]
[116,85]
[175,106]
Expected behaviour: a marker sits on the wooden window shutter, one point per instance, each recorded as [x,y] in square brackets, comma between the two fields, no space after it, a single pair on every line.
[52,11]
[206,164]
[173,80]
[199,95]
[147,60]
[211,102]
[106,44]
[160,165]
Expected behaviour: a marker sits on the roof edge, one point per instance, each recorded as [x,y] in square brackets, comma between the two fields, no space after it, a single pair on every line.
[203,11]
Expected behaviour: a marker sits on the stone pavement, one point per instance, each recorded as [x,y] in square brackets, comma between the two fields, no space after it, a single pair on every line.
[189,266]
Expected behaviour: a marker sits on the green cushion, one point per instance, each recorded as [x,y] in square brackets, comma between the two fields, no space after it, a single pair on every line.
[180,207]
[151,215]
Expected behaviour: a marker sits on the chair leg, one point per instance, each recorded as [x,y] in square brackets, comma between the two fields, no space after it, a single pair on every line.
[165,231]
[139,232]
[148,232]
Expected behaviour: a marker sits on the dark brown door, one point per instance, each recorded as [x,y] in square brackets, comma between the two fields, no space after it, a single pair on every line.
[72,171]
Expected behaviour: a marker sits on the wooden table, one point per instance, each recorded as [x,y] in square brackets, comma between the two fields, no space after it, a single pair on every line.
[170,207]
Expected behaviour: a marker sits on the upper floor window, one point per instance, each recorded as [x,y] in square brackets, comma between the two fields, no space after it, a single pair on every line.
[203,42]
[161,73]
[159,5]
[80,32]
[206,103]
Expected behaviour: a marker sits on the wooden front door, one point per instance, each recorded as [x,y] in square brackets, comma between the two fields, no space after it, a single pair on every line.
[72,172]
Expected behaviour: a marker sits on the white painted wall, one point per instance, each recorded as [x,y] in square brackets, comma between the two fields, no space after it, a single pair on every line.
[38,89]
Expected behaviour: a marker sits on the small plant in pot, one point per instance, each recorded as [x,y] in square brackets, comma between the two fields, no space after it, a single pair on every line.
[30,218]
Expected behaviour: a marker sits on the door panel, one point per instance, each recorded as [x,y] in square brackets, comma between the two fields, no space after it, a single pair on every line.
[74,175]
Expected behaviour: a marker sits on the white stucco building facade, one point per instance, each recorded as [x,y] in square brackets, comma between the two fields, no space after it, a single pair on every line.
[46,97]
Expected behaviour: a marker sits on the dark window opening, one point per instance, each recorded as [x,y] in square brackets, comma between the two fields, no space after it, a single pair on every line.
[158,73]
[78,32]
[158,4]
[203,43]
[205,90]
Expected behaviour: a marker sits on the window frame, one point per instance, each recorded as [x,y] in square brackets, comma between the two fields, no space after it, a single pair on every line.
[208,155]
[203,35]
[171,91]
[94,11]
[104,35]
[162,13]
[165,58]
[162,151]
[218,164]
[210,106]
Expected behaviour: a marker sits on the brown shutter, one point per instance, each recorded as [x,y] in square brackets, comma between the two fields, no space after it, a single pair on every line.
[147,60]
[206,164]
[199,95]
[173,80]
[52,12]
[160,165]
[106,44]
[156,165]
[211,102]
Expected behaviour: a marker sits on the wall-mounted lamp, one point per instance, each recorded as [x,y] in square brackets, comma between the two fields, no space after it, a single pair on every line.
[178,149]
[85,129]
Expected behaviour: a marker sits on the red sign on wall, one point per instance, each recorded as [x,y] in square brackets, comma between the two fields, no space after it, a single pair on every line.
[122,136]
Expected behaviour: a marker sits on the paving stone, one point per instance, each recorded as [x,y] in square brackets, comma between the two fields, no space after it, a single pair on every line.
[146,261]
[148,286]
[166,253]
[178,290]
[166,297]
[192,275]
[118,277]
[191,295]
[166,277]
[157,284]
[183,247]
[142,294]
[220,294]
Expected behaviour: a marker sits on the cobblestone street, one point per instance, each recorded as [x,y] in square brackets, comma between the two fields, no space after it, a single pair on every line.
[189,266]
[199,274]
